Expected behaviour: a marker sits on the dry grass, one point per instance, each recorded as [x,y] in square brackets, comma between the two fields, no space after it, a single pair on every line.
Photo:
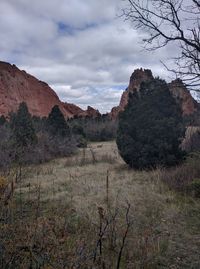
[184,178]
[59,209]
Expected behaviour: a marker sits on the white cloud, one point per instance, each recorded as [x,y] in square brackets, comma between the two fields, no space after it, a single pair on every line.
[81,48]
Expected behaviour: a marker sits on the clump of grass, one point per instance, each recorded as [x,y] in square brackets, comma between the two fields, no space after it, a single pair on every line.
[90,157]
[184,178]
[194,188]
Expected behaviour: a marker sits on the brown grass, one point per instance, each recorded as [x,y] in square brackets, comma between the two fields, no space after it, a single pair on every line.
[184,178]
[72,213]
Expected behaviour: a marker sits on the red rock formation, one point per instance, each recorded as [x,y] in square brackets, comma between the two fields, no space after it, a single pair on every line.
[179,91]
[77,111]
[138,76]
[90,112]
[73,109]
[183,96]
[17,86]
[115,112]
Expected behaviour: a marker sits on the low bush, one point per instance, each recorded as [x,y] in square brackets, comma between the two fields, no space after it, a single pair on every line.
[49,148]
[194,188]
[184,178]
[6,150]
[94,129]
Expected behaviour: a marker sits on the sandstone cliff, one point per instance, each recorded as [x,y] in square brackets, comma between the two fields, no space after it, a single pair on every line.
[183,97]
[90,112]
[77,111]
[17,86]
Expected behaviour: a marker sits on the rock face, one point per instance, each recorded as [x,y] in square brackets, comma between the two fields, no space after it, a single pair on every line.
[177,88]
[73,109]
[90,112]
[17,86]
[138,76]
[77,111]
[183,97]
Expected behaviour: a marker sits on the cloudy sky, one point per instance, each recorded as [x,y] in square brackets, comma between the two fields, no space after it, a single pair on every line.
[82,48]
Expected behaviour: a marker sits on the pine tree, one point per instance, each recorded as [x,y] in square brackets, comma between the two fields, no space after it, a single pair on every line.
[150,127]
[23,132]
[57,124]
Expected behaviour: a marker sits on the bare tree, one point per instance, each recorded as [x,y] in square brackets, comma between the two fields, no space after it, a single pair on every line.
[167,21]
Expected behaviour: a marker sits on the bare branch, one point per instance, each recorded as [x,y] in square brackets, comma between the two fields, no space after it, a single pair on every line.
[170,21]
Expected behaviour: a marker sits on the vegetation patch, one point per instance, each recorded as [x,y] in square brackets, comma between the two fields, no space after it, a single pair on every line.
[97,215]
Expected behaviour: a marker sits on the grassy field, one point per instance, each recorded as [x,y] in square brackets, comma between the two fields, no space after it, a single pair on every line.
[91,211]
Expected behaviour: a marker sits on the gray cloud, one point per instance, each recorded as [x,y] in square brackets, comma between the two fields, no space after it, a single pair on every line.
[81,48]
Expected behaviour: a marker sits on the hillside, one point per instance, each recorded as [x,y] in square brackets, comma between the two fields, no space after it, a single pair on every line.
[17,86]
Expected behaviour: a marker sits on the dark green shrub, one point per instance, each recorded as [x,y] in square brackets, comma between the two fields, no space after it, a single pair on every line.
[22,127]
[57,124]
[94,129]
[151,127]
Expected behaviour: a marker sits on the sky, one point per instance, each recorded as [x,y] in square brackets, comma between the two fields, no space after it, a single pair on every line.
[82,48]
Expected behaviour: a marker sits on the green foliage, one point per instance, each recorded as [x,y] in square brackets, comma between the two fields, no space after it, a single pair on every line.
[150,127]
[77,129]
[101,128]
[23,131]
[57,124]
[39,124]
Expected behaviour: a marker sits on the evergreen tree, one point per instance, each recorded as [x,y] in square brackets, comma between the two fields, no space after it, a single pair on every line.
[23,132]
[57,124]
[150,127]
[2,120]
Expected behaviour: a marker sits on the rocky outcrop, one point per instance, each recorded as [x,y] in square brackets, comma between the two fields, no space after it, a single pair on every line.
[177,88]
[138,76]
[73,109]
[77,111]
[183,97]
[17,86]
[90,112]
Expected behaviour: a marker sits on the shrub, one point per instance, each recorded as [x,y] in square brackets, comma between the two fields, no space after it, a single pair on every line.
[23,132]
[94,129]
[150,127]
[7,151]
[48,148]
[194,188]
[184,178]
[57,124]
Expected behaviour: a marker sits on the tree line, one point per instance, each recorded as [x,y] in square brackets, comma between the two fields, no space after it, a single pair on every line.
[30,139]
